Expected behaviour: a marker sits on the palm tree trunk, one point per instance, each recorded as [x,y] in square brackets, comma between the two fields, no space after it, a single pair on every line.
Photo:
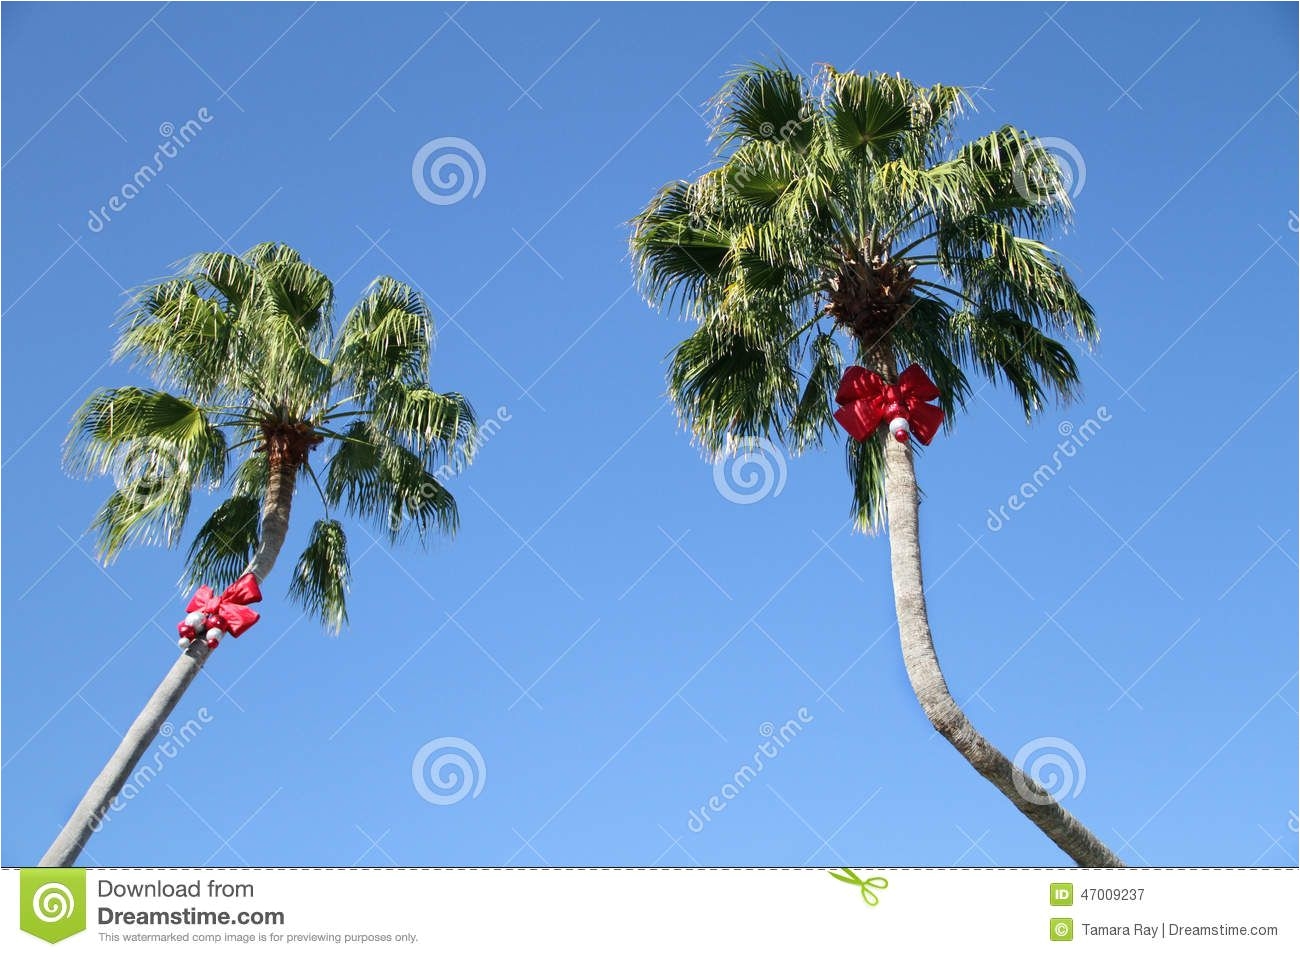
[927,678]
[103,791]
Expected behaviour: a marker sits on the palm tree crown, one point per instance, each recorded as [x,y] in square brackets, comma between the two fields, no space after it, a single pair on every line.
[840,208]
[252,377]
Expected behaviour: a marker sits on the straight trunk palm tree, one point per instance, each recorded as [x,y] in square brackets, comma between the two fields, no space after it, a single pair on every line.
[841,213]
[259,376]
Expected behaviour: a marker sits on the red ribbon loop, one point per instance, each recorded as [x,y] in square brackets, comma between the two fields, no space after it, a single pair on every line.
[229,610]
[866,400]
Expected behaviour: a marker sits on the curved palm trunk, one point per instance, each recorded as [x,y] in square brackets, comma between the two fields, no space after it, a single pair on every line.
[932,690]
[86,818]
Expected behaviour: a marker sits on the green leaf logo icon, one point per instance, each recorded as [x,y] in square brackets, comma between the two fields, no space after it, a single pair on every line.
[52,902]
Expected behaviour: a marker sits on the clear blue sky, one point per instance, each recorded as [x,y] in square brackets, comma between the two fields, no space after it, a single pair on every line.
[1142,606]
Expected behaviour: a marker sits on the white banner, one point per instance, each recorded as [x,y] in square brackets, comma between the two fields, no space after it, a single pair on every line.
[783,912]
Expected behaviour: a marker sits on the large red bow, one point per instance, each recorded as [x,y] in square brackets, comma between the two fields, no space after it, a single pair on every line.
[228,611]
[866,400]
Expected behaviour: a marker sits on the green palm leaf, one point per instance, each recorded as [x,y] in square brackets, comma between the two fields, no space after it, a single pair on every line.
[114,421]
[224,543]
[387,335]
[383,482]
[866,211]
[322,575]
[249,368]
[437,425]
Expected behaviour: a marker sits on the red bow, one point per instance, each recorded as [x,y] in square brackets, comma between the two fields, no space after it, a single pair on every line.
[866,400]
[228,611]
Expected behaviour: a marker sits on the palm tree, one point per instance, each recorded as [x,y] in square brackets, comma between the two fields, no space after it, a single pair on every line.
[258,379]
[840,211]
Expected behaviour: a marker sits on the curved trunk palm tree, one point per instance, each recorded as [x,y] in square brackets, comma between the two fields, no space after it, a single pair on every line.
[843,199]
[104,789]
[249,344]
[926,677]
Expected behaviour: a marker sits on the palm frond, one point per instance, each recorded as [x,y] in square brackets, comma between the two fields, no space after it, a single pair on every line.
[869,114]
[143,511]
[245,350]
[865,462]
[145,431]
[926,336]
[681,253]
[846,195]
[387,335]
[250,477]
[181,335]
[814,413]
[294,291]
[764,102]
[381,481]
[727,384]
[229,276]
[1006,348]
[225,543]
[417,498]
[322,575]
[438,426]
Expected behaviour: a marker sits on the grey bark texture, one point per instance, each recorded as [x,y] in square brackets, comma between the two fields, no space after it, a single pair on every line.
[85,820]
[922,664]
